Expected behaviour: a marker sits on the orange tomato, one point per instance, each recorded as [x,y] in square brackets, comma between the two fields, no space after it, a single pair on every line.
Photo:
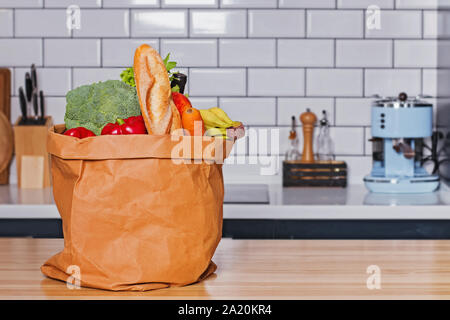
[192,121]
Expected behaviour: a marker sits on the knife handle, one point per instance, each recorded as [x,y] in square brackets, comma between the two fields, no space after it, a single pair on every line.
[41,96]
[28,86]
[33,77]
[35,105]
[23,104]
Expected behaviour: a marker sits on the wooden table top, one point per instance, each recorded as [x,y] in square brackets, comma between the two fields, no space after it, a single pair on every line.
[261,269]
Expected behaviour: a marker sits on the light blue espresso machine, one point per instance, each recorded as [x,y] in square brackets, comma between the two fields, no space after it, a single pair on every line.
[399,126]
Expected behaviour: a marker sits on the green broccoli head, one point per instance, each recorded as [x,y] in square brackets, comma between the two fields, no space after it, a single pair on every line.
[93,106]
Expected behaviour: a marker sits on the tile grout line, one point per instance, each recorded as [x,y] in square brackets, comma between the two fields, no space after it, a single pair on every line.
[305,86]
[43,53]
[188,23]
[422,16]
[101,52]
[364,141]
[71,78]
[129,22]
[276,53]
[247,23]
[14,23]
[218,53]
[393,54]
[276,111]
[363,73]
[334,111]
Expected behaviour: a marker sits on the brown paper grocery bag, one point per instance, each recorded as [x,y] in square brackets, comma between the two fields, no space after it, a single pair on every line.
[136,216]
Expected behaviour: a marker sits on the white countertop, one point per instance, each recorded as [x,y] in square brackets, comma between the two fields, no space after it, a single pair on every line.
[353,202]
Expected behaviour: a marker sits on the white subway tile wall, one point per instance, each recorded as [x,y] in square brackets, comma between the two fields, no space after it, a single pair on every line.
[218,23]
[21,3]
[119,52]
[130,3]
[191,52]
[66,3]
[106,23]
[52,23]
[398,24]
[245,109]
[276,82]
[363,4]
[20,52]
[261,60]
[364,53]
[389,82]
[425,53]
[288,107]
[247,53]
[159,23]
[276,23]
[82,76]
[72,52]
[217,82]
[335,24]
[53,81]
[334,82]
[6,23]
[306,53]
[421,4]
[248,3]
[189,3]
[307,3]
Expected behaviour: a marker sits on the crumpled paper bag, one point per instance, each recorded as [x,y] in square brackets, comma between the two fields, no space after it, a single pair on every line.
[135,215]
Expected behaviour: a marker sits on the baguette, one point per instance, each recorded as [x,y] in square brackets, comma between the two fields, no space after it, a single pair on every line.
[154,92]
[176,117]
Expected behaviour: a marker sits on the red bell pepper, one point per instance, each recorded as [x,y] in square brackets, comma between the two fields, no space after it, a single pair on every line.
[131,125]
[79,132]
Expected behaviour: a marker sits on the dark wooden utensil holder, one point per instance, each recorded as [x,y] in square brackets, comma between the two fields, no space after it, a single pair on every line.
[317,174]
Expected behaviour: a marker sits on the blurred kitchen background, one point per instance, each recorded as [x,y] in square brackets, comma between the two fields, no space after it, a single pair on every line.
[262,61]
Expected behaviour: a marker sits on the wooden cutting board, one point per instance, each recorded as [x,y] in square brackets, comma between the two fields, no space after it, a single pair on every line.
[6,142]
[5,108]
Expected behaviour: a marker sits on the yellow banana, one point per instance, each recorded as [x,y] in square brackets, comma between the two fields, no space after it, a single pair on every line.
[216,132]
[211,119]
[222,115]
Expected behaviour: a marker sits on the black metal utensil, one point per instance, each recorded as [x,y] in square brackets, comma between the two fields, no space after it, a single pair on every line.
[41,96]
[33,77]
[28,86]
[35,106]
[23,106]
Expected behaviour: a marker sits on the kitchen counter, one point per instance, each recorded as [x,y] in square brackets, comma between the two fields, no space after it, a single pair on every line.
[269,211]
[271,201]
[261,269]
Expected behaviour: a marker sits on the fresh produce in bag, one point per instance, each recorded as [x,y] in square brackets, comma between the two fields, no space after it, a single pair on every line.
[140,210]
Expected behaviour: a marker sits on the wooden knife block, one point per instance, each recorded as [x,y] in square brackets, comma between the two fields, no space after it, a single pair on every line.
[32,159]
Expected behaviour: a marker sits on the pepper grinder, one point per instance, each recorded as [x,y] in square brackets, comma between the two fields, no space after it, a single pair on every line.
[308,119]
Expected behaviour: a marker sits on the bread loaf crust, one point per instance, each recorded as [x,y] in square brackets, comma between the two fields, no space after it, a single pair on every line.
[176,118]
[153,89]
